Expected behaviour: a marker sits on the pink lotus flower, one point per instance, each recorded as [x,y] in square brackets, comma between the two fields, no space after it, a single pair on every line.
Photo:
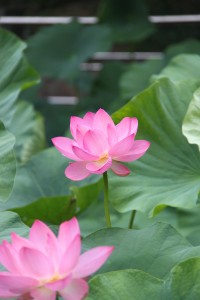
[99,145]
[43,265]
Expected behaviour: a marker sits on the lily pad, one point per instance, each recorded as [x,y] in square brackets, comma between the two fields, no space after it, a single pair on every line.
[169,173]
[155,250]
[41,181]
[7,163]
[191,122]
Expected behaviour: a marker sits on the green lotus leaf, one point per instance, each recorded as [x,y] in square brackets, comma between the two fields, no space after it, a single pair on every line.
[129,22]
[169,173]
[191,122]
[65,53]
[125,284]
[181,67]
[41,182]
[16,74]
[7,162]
[155,249]
[184,281]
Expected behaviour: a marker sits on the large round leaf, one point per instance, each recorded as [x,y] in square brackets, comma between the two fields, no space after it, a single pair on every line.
[126,284]
[155,249]
[57,51]
[184,281]
[191,122]
[7,163]
[137,76]
[169,173]
[181,67]
[190,46]
[11,222]
[28,127]
[15,73]
[42,181]
[128,21]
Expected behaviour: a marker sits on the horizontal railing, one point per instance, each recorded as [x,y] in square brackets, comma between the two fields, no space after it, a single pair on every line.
[99,56]
[91,20]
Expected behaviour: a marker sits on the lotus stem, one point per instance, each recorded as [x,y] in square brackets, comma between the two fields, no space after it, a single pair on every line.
[106,200]
[132,219]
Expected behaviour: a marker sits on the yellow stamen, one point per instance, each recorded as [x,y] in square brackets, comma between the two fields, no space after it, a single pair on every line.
[55,278]
[103,158]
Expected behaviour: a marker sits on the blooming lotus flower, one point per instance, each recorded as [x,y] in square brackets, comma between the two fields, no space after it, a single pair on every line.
[43,265]
[99,145]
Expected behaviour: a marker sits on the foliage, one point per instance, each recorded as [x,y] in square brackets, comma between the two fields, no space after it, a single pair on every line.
[169,172]
[16,75]
[128,22]
[191,122]
[159,258]
[65,53]
[7,162]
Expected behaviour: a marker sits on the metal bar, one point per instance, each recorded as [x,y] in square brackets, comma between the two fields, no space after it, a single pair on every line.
[174,19]
[46,20]
[97,66]
[94,67]
[127,55]
[61,100]
[91,20]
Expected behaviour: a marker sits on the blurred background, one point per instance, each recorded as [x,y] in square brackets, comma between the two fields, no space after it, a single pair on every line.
[103,58]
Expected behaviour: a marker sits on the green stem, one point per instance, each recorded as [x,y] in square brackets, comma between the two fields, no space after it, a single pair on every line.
[57,297]
[106,201]
[132,219]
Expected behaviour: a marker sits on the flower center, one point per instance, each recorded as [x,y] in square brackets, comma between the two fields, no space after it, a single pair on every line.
[103,158]
[54,278]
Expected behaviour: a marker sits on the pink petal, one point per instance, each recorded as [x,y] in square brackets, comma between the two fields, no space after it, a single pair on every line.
[76,290]
[112,135]
[18,242]
[45,239]
[79,137]
[15,284]
[77,171]
[42,293]
[4,294]
[74,122]
[58,284]
[78,125]
[84,155]
[133,126]
[90,261]
[36,264]
[9,258]
[126,127]
[120,169]
[64,145]
[101,121]
[70,257]
[67,232]
[95,142]
[99,167]
[139,148]
[122,147]
[89,118]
